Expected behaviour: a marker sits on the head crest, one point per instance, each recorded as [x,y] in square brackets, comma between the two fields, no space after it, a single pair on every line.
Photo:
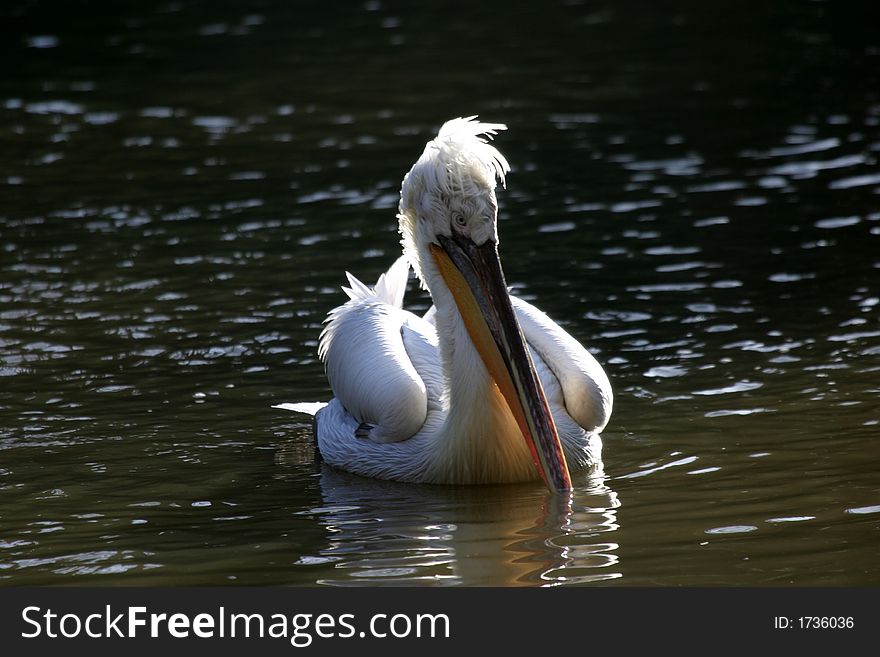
[458,161]
[458,167]
[468,139]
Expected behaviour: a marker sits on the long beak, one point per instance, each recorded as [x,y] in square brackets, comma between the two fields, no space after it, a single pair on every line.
[474,276]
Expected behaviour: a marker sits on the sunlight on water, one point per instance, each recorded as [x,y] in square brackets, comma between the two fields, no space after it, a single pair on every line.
[185,186]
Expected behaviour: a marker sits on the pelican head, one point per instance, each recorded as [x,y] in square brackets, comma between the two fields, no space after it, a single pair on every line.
[449,226]
[451,188]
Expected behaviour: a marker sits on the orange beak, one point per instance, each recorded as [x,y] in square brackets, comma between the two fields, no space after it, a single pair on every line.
[475,278]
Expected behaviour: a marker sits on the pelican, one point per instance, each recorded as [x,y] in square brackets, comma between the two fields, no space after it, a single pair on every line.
[484,388]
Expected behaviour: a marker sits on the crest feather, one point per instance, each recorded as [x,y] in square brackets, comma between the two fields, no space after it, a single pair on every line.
[457,165]
[468,134]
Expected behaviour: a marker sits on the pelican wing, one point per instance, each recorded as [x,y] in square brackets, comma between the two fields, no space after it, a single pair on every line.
[381,361]
[569,373]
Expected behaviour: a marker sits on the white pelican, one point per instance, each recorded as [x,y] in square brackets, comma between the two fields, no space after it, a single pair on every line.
[484,387]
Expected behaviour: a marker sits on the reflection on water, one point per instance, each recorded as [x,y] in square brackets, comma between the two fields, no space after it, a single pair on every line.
[694,197]
[387,533]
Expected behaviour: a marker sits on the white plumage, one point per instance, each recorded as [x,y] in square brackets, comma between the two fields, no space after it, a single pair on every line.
[414,400]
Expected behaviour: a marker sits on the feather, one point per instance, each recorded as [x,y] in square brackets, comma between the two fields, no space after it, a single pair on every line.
[358,289]
[308,408]
[391,285]
[389,289]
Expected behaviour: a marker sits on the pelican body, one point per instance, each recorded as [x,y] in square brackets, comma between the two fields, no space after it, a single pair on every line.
[484,388]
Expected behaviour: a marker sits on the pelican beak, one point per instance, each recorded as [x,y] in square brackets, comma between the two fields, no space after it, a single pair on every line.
[475,278]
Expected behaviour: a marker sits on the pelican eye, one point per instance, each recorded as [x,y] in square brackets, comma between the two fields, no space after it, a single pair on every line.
[459,220]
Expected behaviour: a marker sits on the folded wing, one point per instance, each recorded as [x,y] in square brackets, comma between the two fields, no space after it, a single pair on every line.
[381,360]
[585,389]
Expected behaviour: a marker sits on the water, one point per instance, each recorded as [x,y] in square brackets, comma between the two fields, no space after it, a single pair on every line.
[695,196]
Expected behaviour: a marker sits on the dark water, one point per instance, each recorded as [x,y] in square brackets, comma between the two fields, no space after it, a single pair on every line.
[695,195]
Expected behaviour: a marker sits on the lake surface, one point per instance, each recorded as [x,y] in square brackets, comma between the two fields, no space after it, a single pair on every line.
[695,197]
